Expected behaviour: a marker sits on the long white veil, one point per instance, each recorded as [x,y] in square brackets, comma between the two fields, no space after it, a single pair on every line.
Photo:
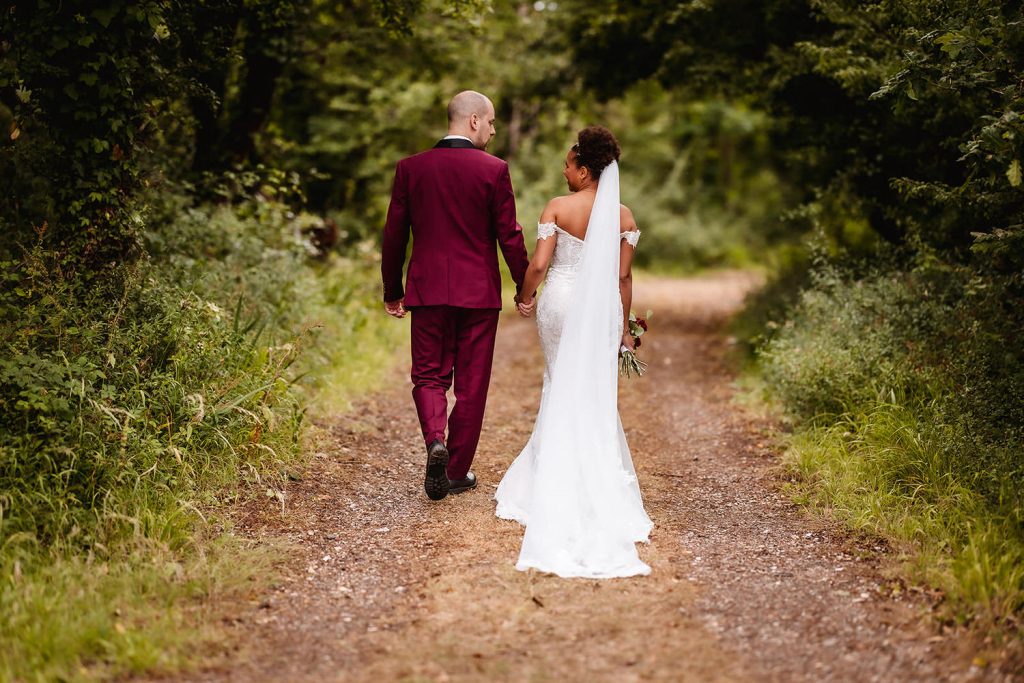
[585,512]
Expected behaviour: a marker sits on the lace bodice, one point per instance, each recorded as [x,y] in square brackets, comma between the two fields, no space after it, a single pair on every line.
[569,248]
[559,282]
[561,277]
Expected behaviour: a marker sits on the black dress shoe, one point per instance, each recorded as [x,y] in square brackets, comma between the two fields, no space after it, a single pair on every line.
[436,481]
[460,485]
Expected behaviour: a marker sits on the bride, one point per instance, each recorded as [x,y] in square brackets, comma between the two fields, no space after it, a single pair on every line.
[573,486]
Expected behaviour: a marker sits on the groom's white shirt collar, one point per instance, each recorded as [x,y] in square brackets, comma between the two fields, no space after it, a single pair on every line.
[453,137]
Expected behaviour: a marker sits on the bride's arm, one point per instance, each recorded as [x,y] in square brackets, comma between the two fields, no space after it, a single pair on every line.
[538,268]
[626,274]
[542,254]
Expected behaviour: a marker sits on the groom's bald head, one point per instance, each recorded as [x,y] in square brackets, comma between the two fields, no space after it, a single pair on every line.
[471,114]
[467,103]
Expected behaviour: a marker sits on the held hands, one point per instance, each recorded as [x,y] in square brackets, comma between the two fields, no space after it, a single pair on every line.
[525,306]
[395,309]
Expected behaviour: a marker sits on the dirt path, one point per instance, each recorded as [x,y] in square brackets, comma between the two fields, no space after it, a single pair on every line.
[386,586]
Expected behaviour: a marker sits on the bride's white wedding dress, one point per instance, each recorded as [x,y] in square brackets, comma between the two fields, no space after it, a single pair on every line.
[573,486]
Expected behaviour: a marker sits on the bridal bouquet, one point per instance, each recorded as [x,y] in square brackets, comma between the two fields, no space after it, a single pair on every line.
[629,364]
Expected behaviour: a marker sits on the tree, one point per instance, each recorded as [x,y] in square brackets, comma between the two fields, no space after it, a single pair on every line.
[77,82]
[909,109]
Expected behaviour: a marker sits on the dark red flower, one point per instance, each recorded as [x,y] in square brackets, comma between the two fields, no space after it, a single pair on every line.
[642,323]
[636,342]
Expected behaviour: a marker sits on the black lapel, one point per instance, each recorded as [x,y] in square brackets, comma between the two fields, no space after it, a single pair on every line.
[455,143]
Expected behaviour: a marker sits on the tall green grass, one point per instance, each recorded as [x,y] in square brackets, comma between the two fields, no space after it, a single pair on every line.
[144,607]
[889,473]
[905,387]
[136,406]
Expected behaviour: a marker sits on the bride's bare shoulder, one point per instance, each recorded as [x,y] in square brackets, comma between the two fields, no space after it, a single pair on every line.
[626,220]
[564,200]
[555,206]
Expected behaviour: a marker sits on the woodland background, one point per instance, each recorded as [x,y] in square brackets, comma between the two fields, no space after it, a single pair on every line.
[191,195]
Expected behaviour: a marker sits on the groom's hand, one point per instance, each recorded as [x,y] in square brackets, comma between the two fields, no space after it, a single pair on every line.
[395,309]
[525,306]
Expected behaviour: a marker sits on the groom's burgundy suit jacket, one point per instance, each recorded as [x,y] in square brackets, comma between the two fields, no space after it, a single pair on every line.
[457,202]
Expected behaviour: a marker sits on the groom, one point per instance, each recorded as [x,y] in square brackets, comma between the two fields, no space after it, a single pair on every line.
[457,202]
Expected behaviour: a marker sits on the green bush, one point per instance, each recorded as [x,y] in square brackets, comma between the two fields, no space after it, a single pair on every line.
[111,409]
[907,387]
[845,345]
[125,422]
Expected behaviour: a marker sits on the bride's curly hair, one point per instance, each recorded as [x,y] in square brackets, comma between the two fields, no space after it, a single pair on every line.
[595,148]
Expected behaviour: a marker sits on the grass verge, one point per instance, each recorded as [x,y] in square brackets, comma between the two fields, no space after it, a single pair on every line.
[899,388]
[128,431]
[884,472]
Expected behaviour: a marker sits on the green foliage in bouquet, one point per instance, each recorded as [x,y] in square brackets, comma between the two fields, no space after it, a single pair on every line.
[629,364]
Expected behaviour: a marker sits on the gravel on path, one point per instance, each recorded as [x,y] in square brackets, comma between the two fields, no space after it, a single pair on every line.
[385,585]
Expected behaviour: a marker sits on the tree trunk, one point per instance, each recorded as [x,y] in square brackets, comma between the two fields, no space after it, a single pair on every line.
[263,66]
[207,48]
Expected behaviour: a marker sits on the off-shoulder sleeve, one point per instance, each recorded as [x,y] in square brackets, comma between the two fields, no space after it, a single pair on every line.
[545,230]
[631,236]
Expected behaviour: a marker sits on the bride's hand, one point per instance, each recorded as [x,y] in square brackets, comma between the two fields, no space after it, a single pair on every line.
[627,341]
[525,308]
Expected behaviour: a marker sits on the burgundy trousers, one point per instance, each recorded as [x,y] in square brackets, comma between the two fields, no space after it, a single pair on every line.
[452,343]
